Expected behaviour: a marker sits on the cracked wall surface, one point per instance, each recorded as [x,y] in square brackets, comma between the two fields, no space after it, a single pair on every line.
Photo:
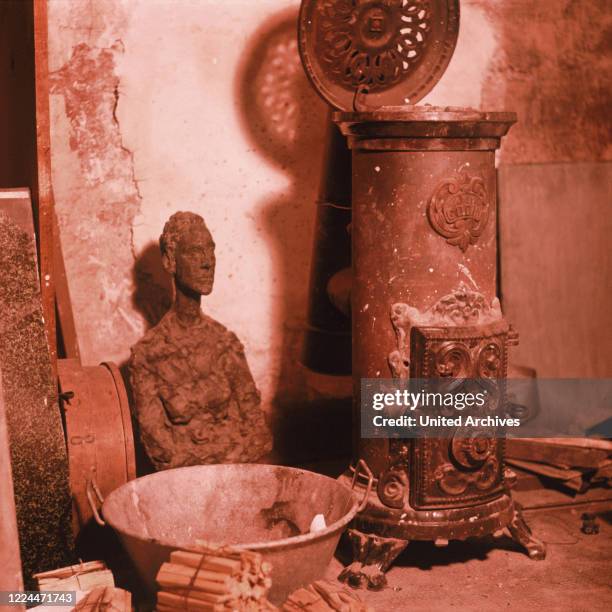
[96,194]
[202,105]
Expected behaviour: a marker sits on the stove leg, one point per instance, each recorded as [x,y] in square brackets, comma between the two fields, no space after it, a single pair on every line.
[372,557]
[521,533]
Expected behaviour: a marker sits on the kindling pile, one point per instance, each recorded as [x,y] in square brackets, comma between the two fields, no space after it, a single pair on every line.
[214,580]
[80,577]
[325,596]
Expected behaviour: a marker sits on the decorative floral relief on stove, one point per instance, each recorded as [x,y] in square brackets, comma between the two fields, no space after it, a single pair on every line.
[465,307]
[454,482]
[459,209]
[467,466]
[461,307]
[393,487]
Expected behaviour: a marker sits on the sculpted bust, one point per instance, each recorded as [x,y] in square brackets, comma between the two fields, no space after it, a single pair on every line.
[196,401]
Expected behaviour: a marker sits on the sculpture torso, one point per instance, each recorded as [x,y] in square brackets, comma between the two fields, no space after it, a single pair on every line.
[196,400]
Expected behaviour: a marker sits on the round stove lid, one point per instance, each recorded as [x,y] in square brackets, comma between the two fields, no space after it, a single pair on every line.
[390,52]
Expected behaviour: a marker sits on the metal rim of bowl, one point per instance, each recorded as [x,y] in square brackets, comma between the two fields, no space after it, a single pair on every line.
[258,546]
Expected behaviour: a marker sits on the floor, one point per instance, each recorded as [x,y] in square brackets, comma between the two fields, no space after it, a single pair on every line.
[494,575]
[486,575]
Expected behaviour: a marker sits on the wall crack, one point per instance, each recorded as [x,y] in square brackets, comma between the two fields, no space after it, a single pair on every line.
[104,196]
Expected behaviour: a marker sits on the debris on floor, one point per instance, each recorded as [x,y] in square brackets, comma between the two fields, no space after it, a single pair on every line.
[325,596]
[103,599]
[590,526]
[574,463]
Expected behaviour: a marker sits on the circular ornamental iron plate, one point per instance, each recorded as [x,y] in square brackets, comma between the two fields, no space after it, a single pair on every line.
[393,50]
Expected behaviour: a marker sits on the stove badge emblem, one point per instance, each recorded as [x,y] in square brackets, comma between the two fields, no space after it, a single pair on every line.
[459,209]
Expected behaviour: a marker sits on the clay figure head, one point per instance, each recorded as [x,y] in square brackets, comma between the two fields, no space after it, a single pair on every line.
[188,252]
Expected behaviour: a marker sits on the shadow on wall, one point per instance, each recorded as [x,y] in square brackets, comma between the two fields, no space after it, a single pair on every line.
[152,295]
[285,120]
[152,298]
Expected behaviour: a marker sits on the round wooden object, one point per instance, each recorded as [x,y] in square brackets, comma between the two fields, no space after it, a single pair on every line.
[99,434]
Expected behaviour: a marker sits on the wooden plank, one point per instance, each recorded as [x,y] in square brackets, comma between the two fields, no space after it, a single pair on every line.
[555,453]
[43,192]
[549,471]
[581,442]
[547,499]
[66,325]
[597,506]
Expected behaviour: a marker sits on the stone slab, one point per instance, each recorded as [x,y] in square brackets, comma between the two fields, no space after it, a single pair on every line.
[37,446]
[10,561]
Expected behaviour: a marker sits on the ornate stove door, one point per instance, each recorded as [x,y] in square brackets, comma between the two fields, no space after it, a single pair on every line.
[467,468]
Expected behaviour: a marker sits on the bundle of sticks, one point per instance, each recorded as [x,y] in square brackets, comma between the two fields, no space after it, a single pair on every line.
[574,463]
[80,577]
[324,596]
[105,599]
[214,580]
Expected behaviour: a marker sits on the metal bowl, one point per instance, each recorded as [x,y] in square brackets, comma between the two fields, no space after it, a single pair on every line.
[249,506]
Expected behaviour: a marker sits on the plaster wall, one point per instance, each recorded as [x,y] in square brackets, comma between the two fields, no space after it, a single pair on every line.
[202,105]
